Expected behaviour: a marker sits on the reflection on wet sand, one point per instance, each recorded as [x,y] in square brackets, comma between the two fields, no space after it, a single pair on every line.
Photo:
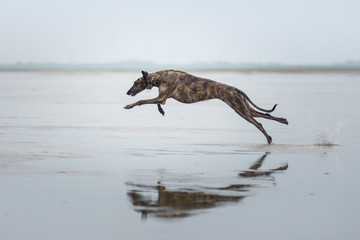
[255,172]
[188,200]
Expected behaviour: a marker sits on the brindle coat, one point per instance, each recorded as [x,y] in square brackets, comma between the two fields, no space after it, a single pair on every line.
[187,88]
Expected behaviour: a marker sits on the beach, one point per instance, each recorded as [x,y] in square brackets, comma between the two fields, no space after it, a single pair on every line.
[74,164]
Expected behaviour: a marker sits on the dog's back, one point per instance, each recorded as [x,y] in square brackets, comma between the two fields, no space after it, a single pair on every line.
[188,88]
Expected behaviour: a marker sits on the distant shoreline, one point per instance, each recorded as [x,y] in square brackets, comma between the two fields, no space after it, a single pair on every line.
[240,70]
[223,67]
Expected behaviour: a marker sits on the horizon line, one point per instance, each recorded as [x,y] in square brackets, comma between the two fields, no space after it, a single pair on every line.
[145,64]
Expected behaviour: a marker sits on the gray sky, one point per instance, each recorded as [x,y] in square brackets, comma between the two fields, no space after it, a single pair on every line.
[186,31]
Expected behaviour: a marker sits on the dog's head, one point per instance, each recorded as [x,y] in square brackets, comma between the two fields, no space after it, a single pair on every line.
[141,84]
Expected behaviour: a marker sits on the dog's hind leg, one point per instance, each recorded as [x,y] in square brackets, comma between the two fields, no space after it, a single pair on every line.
[260,127]
[246,114]
[240,106]
[255,113]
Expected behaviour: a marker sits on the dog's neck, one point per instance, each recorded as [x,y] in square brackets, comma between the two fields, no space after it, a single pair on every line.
[149,82]
[152,81]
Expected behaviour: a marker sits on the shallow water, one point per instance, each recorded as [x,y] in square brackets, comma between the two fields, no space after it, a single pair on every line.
[75,165]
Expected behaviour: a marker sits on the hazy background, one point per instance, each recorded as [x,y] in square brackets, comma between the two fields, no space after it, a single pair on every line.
[186,31]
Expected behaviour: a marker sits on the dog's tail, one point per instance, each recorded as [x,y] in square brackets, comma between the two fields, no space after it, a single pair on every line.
[261,109]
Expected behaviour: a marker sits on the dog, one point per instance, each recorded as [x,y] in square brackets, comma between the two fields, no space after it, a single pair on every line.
[187,88]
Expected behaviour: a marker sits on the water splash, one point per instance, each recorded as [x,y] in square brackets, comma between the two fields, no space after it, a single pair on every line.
[323,139]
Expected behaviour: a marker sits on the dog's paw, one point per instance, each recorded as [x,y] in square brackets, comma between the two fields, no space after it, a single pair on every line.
[129,106]
[284,121]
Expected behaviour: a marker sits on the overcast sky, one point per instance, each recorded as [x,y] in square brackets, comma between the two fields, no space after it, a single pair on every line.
[185,31]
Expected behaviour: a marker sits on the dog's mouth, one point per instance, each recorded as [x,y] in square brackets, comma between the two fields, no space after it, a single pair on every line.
[132,93]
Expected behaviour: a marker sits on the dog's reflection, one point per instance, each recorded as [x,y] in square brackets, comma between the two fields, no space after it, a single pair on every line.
[184,202]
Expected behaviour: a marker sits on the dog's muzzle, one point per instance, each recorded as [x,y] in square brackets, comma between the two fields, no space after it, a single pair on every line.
[132,92]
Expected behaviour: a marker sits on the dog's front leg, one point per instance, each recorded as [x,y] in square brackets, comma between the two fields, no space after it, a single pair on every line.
[147,101]
[161,110]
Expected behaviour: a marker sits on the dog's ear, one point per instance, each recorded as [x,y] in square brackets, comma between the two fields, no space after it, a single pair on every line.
[145,74]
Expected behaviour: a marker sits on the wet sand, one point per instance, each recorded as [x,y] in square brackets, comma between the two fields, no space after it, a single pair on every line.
[75,165]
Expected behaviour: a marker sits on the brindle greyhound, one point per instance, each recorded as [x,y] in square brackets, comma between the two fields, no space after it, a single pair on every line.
[187,88]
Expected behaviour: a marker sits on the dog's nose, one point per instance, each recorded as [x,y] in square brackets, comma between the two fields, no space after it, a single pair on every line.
[128,92]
